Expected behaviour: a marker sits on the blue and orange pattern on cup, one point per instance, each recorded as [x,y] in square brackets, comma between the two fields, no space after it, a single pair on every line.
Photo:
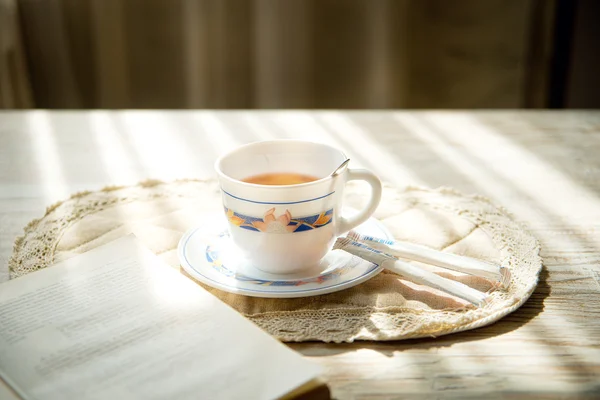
[284,223]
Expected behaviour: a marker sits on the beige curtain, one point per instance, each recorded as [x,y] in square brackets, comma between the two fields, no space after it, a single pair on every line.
[14,79]
[287,53]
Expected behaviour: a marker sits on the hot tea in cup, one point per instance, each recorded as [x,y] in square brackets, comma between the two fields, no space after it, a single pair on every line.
[280,178]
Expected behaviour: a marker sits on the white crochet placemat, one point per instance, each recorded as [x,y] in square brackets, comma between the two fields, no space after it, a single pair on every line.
[386,307]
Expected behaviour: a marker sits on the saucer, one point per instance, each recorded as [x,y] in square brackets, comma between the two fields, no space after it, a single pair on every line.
[208,254]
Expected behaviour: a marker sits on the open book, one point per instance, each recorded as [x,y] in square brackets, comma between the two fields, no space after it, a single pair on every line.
[118,323]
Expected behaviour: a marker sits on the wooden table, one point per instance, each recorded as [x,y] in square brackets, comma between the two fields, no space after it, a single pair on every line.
[542,166]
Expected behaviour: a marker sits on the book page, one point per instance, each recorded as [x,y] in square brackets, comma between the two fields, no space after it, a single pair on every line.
[117,322]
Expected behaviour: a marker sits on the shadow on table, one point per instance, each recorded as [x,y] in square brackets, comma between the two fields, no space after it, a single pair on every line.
[564,144]
[528,311]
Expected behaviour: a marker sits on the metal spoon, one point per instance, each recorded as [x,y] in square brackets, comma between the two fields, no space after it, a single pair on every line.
[341,168]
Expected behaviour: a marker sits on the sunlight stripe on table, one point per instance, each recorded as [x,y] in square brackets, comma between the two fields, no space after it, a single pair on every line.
[46,159]
[115,159]
[163,154]
[386,165]
[218,135]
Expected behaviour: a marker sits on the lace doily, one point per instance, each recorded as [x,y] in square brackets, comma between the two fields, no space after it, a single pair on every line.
[384,308]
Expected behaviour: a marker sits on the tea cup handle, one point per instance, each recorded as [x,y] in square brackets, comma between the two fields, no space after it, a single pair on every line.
[347,224]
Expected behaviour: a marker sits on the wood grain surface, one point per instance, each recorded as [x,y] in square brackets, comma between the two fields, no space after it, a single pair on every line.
[543,166]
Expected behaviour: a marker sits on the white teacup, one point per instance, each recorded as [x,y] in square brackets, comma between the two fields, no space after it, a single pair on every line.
[289,228]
